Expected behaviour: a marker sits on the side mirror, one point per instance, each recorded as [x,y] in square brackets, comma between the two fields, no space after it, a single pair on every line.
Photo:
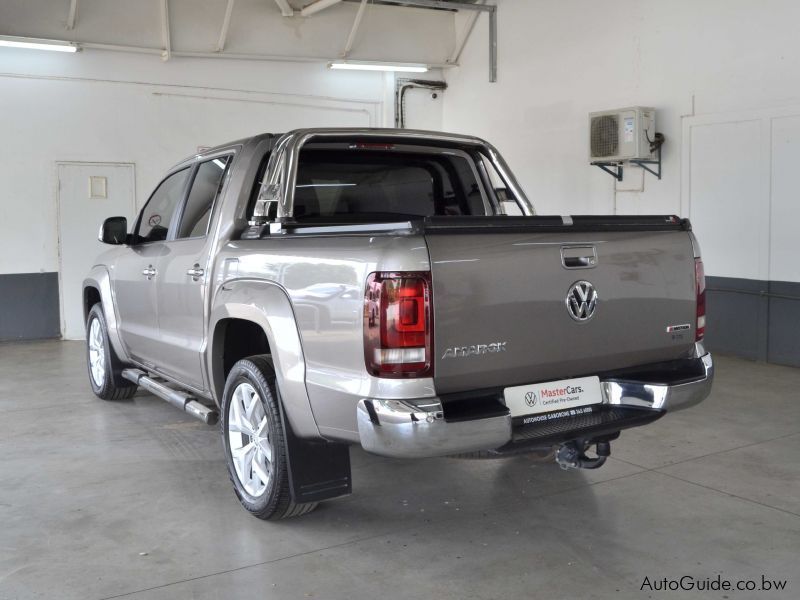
[114,230]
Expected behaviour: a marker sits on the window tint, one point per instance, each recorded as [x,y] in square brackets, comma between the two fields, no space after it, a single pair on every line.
[205,188]
[337,183]
[157,215]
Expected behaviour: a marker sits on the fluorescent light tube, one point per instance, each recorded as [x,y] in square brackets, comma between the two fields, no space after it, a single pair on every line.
[368,66]
[36,44]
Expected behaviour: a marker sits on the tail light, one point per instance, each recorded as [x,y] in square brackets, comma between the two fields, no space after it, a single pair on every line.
[700,288]
[398,333]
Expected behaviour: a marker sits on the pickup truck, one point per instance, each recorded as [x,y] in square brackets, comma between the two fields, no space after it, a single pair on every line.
[393,289]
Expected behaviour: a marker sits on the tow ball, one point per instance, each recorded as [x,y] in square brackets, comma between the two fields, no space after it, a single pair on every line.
[572,454]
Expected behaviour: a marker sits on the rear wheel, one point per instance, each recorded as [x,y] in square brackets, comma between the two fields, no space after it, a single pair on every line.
[254,440]
[105,369]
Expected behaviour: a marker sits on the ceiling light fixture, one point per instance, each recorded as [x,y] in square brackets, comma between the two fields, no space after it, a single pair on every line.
[37,44]
[371,66]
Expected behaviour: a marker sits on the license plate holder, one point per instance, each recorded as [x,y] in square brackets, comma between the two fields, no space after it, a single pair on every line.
[564,395]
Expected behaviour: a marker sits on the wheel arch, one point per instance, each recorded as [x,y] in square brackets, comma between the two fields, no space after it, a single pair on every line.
[97,289]
[242,306]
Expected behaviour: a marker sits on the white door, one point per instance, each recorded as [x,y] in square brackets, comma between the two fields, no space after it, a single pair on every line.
[88,193]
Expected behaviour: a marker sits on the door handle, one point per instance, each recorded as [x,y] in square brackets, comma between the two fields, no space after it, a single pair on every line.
[149,272]
[579,257]
[195,272]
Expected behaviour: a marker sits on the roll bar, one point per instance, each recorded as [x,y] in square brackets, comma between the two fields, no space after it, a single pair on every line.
[278,187]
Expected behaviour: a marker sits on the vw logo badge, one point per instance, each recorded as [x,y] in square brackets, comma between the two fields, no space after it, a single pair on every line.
[581,301]
[531,399]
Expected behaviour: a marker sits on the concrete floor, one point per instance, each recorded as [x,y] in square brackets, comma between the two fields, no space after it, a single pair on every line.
[131,499]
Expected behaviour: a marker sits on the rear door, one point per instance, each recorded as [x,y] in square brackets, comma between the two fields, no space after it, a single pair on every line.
[183,276]
[517,306]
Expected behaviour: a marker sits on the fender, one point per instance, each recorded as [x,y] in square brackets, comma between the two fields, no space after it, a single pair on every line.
[266,304]
[100,279]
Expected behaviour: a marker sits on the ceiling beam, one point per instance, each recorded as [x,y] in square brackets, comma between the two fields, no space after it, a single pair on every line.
[461,40]
[73,12]
[317,6]
[165,39]
[286,10]
[354,29]
[157,51]
[226,23]
[491,9]
[442,4]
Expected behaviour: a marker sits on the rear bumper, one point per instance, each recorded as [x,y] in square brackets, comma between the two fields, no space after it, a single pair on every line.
[421,428]
[662,396]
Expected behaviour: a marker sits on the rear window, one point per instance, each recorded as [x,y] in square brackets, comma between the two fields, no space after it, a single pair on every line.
[334,183]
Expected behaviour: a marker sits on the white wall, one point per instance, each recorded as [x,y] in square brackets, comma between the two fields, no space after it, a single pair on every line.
[129,107]
[112,107]
[560,60]
[740,191]
[423,110]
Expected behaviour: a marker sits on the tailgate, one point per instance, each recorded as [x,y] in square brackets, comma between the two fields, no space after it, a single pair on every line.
[501,310]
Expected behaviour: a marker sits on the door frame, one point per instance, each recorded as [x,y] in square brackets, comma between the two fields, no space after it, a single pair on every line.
[57,183]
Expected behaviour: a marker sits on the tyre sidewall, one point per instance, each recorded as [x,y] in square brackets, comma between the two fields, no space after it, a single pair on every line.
[245,371]
[104,390]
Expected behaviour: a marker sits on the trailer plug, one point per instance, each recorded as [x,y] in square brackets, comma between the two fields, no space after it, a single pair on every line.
[567,456]
[570,455]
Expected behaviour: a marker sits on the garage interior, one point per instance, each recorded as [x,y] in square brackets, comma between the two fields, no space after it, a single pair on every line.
[132,499]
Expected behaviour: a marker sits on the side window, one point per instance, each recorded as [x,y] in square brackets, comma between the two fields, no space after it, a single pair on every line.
[156,217]
[205,189]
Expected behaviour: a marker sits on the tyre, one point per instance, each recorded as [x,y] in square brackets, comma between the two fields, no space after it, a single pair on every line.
[254,440]
[105,369]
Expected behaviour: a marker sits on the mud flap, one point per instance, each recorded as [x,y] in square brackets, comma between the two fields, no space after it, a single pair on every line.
[318,470]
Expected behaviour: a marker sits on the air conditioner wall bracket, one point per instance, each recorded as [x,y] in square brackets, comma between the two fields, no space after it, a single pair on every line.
[612,168]
[615,168]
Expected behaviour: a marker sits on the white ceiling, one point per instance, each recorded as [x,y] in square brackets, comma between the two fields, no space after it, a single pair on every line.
[256,27]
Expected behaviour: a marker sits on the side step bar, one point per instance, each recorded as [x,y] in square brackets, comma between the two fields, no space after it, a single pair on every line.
[177,398]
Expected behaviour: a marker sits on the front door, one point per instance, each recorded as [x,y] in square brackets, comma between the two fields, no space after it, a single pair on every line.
[183,277]
[88,193]
[133,279]
[136,272]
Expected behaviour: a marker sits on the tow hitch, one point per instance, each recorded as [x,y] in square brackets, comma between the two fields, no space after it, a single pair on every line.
[572,454]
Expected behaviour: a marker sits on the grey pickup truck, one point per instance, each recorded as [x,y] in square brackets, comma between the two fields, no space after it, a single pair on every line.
[393,289]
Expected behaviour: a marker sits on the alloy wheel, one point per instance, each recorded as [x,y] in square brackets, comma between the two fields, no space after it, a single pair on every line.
[248,437]
[97,353]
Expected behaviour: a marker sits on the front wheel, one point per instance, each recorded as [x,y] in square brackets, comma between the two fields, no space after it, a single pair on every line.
[105,369]
[254,440]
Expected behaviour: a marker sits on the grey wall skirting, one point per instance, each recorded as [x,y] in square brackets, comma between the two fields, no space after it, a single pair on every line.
[759,320]
[29,308]
[754,319]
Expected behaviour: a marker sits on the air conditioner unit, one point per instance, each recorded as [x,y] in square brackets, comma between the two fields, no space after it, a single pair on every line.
[622,134]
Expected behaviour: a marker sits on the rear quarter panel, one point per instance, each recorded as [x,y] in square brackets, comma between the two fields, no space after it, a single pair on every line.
[324,277]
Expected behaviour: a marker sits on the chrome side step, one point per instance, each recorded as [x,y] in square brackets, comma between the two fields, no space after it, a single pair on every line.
[182,400]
